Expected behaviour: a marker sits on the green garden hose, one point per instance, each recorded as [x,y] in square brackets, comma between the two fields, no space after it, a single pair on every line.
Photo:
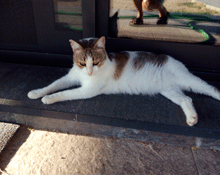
[70,13]
[183,16]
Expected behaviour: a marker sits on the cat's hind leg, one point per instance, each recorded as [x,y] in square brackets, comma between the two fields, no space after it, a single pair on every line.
[185,103]
[59,84]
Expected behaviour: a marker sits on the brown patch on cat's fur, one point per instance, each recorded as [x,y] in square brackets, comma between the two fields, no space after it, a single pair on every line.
[143,57]
[88,43]
[121,60]
[89,49]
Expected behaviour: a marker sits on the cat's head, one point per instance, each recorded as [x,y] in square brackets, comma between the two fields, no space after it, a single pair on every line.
[89,54]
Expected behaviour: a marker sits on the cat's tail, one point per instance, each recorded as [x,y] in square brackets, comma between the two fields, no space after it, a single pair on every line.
[188,81]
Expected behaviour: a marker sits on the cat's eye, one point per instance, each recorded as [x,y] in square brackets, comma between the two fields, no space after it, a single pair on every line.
[95,64]
[82,64]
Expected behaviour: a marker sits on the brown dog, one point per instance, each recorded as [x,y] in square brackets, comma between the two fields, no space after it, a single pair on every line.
[150,5]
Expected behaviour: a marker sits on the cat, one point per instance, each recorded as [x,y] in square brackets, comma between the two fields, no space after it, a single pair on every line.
[128,72]
[150,5]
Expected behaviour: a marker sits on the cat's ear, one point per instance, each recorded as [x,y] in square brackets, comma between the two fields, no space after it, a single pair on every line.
[100,44]
[75,46]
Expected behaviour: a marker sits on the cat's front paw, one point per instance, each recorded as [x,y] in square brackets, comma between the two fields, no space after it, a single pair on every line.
[192,120]
[35,94]
[48,99]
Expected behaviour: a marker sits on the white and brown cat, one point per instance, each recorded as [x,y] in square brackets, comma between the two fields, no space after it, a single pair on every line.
[125,72]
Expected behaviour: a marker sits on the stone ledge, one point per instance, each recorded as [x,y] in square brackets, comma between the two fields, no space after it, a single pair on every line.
[93,129]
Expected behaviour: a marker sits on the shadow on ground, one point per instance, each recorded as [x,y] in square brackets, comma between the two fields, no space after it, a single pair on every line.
[12,147]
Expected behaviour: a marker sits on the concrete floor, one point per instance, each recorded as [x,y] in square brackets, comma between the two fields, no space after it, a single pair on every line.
[43,152]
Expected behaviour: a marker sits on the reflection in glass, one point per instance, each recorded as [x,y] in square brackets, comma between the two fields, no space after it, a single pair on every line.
[189,22]
[68,14]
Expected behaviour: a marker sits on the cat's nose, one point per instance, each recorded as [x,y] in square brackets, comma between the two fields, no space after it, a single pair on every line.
[89,70]
[89,73]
